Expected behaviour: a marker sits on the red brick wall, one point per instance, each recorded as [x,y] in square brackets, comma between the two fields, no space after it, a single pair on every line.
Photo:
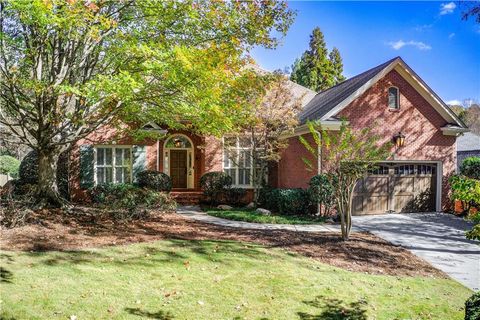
[292,171]
[416,119]
[105,135]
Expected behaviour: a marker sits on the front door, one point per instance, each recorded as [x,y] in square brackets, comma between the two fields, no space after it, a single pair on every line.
[178,168]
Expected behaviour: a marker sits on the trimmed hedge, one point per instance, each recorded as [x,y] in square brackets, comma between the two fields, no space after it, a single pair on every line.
[214,185]
[472,307]
[470,167]
[133,199]
[154,180]
[321,192]
[285,201]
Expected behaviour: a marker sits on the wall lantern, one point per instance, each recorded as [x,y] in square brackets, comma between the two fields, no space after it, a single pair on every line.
[177,143]
[399,140]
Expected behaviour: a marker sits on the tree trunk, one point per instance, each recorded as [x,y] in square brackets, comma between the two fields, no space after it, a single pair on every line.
[47,189]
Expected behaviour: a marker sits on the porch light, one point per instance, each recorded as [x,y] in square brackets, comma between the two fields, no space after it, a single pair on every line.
[177,143]
[399,140]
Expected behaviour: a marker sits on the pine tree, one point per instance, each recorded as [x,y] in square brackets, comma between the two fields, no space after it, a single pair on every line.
[337,65]
[317,69]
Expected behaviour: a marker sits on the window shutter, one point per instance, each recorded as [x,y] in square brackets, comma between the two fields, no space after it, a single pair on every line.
[86,166]
[139,157]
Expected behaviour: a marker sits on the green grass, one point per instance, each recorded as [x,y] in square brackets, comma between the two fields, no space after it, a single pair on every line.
[248,215]
[210,280]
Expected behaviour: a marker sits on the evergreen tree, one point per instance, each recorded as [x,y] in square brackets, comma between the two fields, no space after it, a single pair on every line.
[337,65]
[317,69]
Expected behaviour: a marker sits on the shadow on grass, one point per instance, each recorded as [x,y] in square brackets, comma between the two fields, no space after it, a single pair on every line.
[162,315]
[173,251]
[335,309]
[5,275]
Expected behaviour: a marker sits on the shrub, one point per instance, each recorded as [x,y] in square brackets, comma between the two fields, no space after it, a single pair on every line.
[154,180]
[470,167]
[472,307]
[126,201]
[9,165]
[28,172]
[214,184]
[286,201]
[321,192]
[466,190]
[235,195]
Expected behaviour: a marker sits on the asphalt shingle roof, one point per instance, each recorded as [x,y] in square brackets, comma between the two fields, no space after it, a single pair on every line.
[469,141]
[328,99]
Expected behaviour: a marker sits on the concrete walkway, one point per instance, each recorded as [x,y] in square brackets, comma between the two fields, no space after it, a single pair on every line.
[194,212]
[436,237]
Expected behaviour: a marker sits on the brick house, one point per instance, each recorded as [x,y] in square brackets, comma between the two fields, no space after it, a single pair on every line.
[391,98]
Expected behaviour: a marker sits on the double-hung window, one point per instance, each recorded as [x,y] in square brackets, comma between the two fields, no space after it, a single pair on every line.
[237,160]
[393,98]
[113,164]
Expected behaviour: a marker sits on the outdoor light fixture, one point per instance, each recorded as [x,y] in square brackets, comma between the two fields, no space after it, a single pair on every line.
[177,143]
[399,140]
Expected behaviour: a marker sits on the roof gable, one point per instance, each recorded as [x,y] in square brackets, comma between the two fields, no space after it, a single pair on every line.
[330,102]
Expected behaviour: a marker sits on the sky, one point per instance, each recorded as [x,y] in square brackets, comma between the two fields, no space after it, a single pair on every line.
[431,37]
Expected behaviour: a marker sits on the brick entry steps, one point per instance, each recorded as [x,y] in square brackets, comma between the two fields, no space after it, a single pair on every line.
[187,197]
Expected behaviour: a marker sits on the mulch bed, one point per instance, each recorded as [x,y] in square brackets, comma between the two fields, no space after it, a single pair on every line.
[364,252]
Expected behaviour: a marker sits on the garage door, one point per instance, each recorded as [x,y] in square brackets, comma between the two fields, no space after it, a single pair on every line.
[400,187]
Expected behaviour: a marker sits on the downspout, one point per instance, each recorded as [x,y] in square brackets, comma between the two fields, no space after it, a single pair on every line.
[158,155]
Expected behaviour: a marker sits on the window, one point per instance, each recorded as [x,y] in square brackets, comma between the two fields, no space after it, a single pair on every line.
[424,169]
[113,165]
[407,169]
[393,98]
[380,170]
[237,160]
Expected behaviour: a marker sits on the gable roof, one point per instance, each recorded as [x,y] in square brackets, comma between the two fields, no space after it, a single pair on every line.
[469,141]
[330,102]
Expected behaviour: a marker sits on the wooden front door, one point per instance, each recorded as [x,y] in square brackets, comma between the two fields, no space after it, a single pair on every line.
[178,168]
[406,187]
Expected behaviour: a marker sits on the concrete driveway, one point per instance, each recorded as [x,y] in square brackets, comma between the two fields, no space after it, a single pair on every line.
[436,237]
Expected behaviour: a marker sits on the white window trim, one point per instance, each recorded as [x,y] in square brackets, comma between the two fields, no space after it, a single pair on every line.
[113,147]
[398,98]
[237,149]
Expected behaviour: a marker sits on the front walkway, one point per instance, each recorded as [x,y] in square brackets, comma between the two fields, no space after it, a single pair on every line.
[436,237]
[194,212]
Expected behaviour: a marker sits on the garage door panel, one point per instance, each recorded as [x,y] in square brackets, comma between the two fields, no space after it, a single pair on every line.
[376,185]
[376,204]
[403,203]
[403,184]
[357,204]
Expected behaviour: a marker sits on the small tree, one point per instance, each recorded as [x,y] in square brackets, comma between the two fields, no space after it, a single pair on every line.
[273,109]
[346,156]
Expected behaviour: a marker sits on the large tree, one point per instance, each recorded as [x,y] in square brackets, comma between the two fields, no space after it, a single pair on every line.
[69,67]
[318,69]
[469,113]
[346,156]
[272,113]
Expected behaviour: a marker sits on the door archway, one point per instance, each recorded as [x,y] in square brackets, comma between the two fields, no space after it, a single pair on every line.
[178,156]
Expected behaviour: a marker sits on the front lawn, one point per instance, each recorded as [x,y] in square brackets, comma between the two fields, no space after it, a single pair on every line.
[248,215]
[194,279]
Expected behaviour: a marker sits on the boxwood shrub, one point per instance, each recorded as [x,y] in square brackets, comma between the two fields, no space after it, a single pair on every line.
[285,201]
[470,167]
[154,180]
[127,201]
[472,307]
[215,184]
